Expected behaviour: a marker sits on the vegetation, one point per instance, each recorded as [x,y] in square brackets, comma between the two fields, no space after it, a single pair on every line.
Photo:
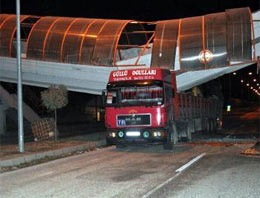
[55,97]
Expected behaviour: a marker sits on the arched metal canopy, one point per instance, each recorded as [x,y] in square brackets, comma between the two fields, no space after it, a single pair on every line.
[7,33]
[203,42]
[66,40]
[75,40]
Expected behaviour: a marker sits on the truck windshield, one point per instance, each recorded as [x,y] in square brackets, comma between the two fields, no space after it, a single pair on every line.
[148,94]
[141,94]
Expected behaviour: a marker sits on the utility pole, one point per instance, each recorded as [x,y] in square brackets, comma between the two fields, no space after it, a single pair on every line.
[19,80]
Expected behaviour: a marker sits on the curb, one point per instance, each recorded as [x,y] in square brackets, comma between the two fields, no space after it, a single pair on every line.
[54,153]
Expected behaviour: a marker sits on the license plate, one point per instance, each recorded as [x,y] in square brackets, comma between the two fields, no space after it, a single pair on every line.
[134,120]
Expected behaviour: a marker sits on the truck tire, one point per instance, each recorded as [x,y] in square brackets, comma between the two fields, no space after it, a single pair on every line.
[208,126]
[204,125]
[189,129]
[214,126]
[172,137]
[108,142]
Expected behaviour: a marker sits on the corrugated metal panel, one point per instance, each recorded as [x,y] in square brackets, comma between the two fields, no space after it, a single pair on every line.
[165,43]
[3,18]
[239,43]
[89,42]
[4,34]
[215,39]
[106,42]
[7,33]
[38,36]
[191,43]
[72,42]
[53,43]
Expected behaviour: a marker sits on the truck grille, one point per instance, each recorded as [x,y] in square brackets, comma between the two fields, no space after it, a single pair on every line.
[134,120]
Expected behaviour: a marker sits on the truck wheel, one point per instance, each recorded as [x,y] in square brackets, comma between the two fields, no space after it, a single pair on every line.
[208,125]
[189,128]
[175,134]
[214,126]
[108,142]
[172,137]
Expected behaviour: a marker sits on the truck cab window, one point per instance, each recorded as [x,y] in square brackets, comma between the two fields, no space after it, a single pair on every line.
[147,94]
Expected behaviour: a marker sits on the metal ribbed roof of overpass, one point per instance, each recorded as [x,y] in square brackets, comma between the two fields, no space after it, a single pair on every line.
[70,40]
[98,41]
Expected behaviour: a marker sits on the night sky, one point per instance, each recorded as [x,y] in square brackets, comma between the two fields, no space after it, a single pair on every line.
[140,10]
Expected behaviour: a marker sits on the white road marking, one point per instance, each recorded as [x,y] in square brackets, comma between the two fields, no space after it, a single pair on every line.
[45,174]
[161,185]
[185,166]
[179,171]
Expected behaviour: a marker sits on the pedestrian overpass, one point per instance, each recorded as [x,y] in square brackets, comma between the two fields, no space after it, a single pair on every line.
[81,52]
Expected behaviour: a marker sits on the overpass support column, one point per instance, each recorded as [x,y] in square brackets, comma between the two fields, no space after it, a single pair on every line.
[2,119]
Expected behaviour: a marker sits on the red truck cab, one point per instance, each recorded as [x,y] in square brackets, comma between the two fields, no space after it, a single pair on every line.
[140,105]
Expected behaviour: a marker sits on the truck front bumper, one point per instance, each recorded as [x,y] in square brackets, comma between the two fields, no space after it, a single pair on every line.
[147,135]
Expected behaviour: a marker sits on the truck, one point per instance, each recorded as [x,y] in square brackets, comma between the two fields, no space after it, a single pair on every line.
[143,106]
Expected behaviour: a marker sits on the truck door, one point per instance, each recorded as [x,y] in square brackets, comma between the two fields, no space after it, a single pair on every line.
[168,94]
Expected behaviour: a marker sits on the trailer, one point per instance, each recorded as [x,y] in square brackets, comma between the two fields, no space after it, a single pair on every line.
[144,106]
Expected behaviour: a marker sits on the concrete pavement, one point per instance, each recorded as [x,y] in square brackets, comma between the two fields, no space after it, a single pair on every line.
[80,143]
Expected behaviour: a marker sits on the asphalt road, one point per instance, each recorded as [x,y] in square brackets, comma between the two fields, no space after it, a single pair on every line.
[223,174]
[243,122]
[147,172]
[140,172]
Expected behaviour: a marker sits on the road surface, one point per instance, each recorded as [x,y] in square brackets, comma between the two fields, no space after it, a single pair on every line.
[140,172]
[148,171]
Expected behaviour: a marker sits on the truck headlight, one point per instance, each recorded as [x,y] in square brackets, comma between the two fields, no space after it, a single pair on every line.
[112,134]
[157,134]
